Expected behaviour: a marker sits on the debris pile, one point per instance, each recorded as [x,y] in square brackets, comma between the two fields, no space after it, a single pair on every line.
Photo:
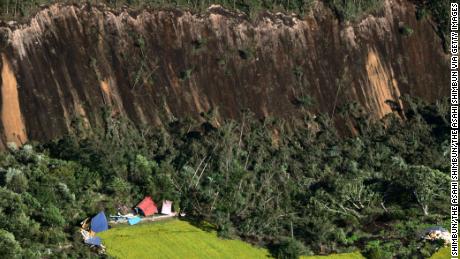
[88,230]
[437,233]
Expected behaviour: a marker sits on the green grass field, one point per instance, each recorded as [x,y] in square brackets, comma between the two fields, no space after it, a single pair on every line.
[174,239]
[180,239]
[356,255]
[443,253]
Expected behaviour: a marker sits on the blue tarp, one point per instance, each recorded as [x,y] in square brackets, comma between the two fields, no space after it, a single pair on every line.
[94,241]
[134,221]
[99,223]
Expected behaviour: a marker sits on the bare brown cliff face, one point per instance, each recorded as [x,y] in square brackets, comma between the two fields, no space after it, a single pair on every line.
[150,66]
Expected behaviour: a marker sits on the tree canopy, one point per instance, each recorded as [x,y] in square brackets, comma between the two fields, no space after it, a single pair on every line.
[293,187]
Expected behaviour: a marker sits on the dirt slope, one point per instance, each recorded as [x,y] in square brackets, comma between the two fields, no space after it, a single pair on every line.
[159,64]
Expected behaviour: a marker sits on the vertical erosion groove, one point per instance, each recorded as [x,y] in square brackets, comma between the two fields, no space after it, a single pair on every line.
[382,85]
[184,64]
[13,125]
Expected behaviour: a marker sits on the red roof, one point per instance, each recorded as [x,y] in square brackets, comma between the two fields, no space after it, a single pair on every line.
[147,206]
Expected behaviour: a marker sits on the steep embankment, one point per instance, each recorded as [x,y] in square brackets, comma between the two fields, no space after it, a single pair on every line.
[152,65]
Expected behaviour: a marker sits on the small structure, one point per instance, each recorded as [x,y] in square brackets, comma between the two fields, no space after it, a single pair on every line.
[134,220]
[147,206]
[99,223]
[437,233]
[143,212]
[166,207]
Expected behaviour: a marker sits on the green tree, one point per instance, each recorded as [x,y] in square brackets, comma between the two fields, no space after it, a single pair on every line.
[9,246]
[424,183]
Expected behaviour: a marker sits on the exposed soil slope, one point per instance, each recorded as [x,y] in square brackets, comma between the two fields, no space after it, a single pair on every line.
[71,61]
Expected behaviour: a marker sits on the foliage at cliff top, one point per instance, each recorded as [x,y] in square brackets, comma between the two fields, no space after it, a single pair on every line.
[348,10]
[442,253]
[438,10]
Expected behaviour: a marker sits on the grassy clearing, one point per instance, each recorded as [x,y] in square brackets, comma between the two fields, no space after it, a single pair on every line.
[180,239]
[443,253]
[355,255]
[174,239]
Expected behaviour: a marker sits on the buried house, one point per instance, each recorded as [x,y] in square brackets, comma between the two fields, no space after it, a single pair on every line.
[98,224]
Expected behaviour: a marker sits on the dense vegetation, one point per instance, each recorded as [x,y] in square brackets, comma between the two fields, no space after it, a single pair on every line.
[438,10]
[296,187]
[345,9]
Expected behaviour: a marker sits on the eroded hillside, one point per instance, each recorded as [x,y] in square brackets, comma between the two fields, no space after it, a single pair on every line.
[71,61]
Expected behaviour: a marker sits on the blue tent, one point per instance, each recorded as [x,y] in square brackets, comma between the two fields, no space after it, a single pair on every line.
[99,223]
[93,241]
